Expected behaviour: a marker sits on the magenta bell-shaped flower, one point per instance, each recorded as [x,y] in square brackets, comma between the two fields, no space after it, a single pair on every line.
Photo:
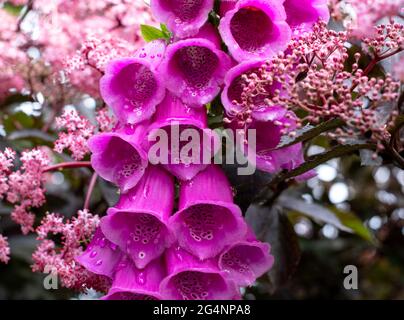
[131,283]
[120,157]
[303,14]
[207,220]
[194,69]
[255,29]
[234,85]
[246,260]
[192,279]
[131,86]
[138,223]
[268,125]
[188,138]
[101,256]
[183,17]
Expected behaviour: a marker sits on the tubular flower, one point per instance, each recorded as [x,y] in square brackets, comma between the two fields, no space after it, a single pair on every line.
[119,156]
[131,283]
[186,130]
[255,29]
[235,86]
[194,70]
[183,17]
[138,223]
[101,256]
[303,14]
[270,125]
[207,220]
[246,260]
[192,279]
[131,87]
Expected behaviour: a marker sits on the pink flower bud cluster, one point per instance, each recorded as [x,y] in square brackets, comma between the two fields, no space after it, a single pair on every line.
[311,76]
[59,257]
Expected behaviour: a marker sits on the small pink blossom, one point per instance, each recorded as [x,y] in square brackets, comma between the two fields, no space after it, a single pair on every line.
[4,250]
[78,131]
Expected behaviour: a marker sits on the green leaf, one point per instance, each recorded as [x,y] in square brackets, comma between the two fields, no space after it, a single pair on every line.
[12,9]
[313,210]
[166,32]
[350,220]
[151,33]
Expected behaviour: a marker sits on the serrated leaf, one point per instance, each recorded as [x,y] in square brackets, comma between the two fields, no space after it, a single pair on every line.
[150,33]
[272,225]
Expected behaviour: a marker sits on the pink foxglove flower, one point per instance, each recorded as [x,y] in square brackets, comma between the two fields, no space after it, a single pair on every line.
[119,156]
[183,17]
[303,14]
[207,220]
[131,283]
[270,125]
[177,119]
[246,260]
[131,86]
[194,70]
[138,223]
[101,256]
[236,84]
[192,279]
[255,29]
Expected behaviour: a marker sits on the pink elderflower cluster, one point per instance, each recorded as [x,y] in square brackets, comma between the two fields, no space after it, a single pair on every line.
[311,76]
[59,257]
[106,121]
[4,249]
[12,58]
[91,59]
[362,15]
[25,187]
[57,29]
[78,131]
[6,163]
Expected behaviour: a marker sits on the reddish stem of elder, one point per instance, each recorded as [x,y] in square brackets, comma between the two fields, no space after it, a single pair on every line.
[90,190]
[65,165]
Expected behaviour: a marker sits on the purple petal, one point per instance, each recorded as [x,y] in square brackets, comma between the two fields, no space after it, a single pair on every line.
[192,279]
[131,283]
[226,5]
[138,223]
[183,17]
[119,157]
[245,261]
[303,14]
[101,256]
[210,33]
[131,88]
[207,220]
[177,120]
[255,29]
[194,70]
[234,85]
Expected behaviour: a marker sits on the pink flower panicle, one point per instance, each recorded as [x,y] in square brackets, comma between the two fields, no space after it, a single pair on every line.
[311,76]
[25,187]
[6,163]
[4,250]
[360,16]
[60,257]
[78,131]
[106,121]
